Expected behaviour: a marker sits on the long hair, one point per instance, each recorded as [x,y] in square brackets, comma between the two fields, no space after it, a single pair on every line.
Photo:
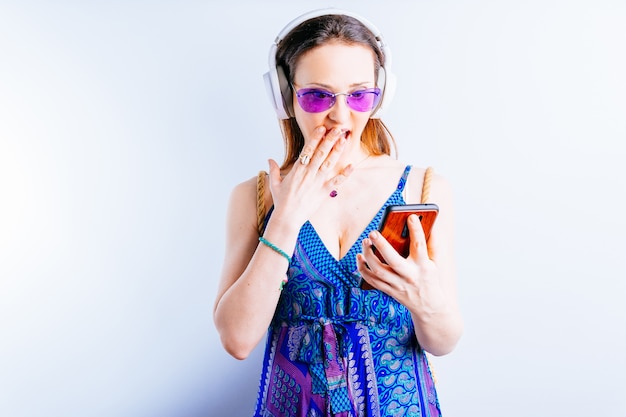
[316,32]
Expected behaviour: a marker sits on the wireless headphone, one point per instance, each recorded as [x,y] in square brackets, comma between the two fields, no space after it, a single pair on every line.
[277,83]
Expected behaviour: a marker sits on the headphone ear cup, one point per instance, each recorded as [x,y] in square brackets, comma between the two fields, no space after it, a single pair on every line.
[286,96]
[390,88]
[387,84]
[275,82]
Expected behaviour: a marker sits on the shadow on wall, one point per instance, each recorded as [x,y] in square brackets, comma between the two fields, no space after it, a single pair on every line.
[234,385]
[227,389]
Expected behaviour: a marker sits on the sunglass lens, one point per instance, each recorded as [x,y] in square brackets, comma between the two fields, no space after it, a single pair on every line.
[364,100]
[315,101]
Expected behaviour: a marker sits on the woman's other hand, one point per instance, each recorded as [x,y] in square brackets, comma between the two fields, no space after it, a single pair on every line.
[311,179]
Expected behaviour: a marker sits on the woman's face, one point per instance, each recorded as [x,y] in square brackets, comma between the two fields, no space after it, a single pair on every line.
[337,68]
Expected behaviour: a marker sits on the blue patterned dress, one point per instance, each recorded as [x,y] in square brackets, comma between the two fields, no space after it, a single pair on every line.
[334,349]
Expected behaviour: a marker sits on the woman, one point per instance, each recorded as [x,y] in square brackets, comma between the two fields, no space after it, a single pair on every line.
[333,347]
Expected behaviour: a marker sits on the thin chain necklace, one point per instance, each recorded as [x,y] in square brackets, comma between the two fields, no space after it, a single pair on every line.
[334,193]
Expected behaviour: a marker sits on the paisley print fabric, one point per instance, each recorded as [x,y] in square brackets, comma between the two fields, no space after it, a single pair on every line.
[334,349]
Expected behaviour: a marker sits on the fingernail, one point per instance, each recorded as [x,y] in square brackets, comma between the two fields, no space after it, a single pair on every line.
[320,129]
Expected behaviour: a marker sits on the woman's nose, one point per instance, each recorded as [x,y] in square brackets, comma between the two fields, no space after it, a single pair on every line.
[340,110]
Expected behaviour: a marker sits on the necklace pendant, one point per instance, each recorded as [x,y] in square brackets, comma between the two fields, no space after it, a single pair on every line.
[333,193]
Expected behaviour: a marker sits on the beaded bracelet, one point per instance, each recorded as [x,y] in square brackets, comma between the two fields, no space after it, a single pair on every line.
[279,251]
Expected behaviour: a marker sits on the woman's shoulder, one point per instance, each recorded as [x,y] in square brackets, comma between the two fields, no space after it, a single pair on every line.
[246,192]
[245,188]
[253,192]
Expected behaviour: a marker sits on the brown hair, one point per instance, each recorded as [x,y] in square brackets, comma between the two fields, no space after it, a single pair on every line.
[316,32]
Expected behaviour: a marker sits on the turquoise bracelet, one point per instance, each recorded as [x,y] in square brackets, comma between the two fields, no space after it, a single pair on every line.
[275,248]
[279,251]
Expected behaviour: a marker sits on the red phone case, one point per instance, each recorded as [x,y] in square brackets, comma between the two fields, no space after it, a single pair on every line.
[394,228]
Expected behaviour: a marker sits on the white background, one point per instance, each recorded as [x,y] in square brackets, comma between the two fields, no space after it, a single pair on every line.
[125,124]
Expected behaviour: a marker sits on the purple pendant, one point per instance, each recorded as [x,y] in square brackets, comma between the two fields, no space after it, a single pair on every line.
[333,193]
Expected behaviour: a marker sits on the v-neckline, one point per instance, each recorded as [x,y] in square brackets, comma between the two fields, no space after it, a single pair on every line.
[368,227]
[399,188]
[359,238]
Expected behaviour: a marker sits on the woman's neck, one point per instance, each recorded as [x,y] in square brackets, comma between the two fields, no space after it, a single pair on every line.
[355,156]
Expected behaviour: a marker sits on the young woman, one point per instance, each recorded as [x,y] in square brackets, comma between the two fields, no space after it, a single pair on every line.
[335,348]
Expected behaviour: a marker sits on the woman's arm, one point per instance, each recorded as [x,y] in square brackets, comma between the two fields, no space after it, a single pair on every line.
[425,282]
[252,274]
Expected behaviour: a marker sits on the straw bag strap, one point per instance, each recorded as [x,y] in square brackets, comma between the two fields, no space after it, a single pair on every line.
[260,201]
[428,175]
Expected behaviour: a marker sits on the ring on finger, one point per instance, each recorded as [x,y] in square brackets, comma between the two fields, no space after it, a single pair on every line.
[304,159]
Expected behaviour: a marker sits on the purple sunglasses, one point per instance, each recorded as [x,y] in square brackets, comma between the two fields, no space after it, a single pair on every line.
[315,100]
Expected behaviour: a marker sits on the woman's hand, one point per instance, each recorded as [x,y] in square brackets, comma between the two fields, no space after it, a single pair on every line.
[414,281]
[311,179]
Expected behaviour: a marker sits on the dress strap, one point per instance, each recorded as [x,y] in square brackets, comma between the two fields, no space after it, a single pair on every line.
[404,177]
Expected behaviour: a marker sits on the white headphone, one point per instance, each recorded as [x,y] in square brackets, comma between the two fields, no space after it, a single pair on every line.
[278,86]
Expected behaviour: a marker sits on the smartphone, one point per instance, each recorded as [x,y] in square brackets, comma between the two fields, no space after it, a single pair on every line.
[393,225]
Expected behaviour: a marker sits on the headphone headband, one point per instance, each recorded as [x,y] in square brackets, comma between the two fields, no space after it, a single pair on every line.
[278,86]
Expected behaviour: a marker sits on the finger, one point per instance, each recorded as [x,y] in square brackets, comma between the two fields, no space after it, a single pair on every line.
[324,148]
[374,275]
[338,179]
[384,248]
[312,142]
[274,172]
[377,264]
[335,153]
[363,269]
[417,246]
